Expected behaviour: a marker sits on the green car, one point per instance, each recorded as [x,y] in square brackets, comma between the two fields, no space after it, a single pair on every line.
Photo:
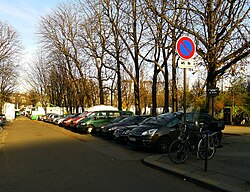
[97,119]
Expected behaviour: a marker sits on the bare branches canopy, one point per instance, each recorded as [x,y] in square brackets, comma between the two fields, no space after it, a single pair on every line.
[94,49]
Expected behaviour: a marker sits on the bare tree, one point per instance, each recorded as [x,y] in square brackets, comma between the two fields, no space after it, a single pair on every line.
[115,47]
[10,47]
[59,34]
[39,75]
[160,51]
[93,39]
[221,32]
[131,32]
[9,42]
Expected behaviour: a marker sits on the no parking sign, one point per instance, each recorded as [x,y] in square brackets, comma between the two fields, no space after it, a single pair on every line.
[185,47]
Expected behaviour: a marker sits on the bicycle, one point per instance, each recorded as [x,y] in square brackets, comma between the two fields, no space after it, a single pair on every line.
[179,149]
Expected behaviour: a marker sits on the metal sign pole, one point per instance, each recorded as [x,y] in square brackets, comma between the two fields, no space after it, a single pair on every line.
[206,152]
[212,106]
[184,99]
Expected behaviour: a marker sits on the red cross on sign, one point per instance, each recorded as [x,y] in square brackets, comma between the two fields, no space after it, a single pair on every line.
[185,47]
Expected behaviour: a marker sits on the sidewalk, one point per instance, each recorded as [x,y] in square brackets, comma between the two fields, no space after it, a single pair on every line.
[228,170]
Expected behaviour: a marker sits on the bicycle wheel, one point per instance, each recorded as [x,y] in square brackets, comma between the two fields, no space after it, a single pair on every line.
[216,138]
[178,151]
[202,148]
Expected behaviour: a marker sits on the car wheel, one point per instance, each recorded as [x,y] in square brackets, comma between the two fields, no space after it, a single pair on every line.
[90,128]
[162,144]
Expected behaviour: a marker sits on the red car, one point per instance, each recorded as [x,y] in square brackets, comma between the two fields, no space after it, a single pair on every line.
[68,120]
[75,120]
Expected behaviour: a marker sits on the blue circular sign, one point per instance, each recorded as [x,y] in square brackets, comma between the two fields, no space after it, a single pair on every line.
[185,47]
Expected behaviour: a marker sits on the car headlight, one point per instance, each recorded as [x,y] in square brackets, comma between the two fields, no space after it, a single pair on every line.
[83,124]
[112,129]
[150,132]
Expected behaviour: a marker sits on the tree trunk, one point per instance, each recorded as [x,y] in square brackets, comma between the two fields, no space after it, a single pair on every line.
[154,91]
[100,82]
[137,97]
[174,86]
[119,86]
[166,91]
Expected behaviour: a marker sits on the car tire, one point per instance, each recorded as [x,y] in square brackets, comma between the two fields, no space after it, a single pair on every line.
[162,144]
[90,128]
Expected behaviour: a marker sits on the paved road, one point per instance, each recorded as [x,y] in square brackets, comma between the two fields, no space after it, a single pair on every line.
[36,156]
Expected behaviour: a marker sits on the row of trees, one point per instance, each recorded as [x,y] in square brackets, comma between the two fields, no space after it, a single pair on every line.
[123,51]
[10,47]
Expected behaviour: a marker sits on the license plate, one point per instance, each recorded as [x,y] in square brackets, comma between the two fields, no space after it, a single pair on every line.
[132,139]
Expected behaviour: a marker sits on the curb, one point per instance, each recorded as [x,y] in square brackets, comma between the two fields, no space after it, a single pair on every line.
[152,161]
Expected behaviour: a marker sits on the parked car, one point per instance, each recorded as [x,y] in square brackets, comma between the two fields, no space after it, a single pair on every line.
[121,133]
[212,123]
[2,119]
[158,132]
[68,120]
[52,117]
[96,120]
[196,119]
[109,129]
[56,119]
[41,117]
[59,120]
[78,118]
[115,120]
[48,116]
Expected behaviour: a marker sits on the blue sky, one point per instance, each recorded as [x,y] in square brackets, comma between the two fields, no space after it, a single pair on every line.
[24,15]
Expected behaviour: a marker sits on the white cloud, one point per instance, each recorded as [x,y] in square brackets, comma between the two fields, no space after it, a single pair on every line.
[19,12]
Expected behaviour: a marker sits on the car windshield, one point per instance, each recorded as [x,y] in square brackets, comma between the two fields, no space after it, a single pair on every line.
[151,120]
[167,116]
[173,122]
[82,114]
[76,115]
[118,119]
[166,119]
[130,119]
[66,116]
[193,117]
[162,121]
[92,115]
